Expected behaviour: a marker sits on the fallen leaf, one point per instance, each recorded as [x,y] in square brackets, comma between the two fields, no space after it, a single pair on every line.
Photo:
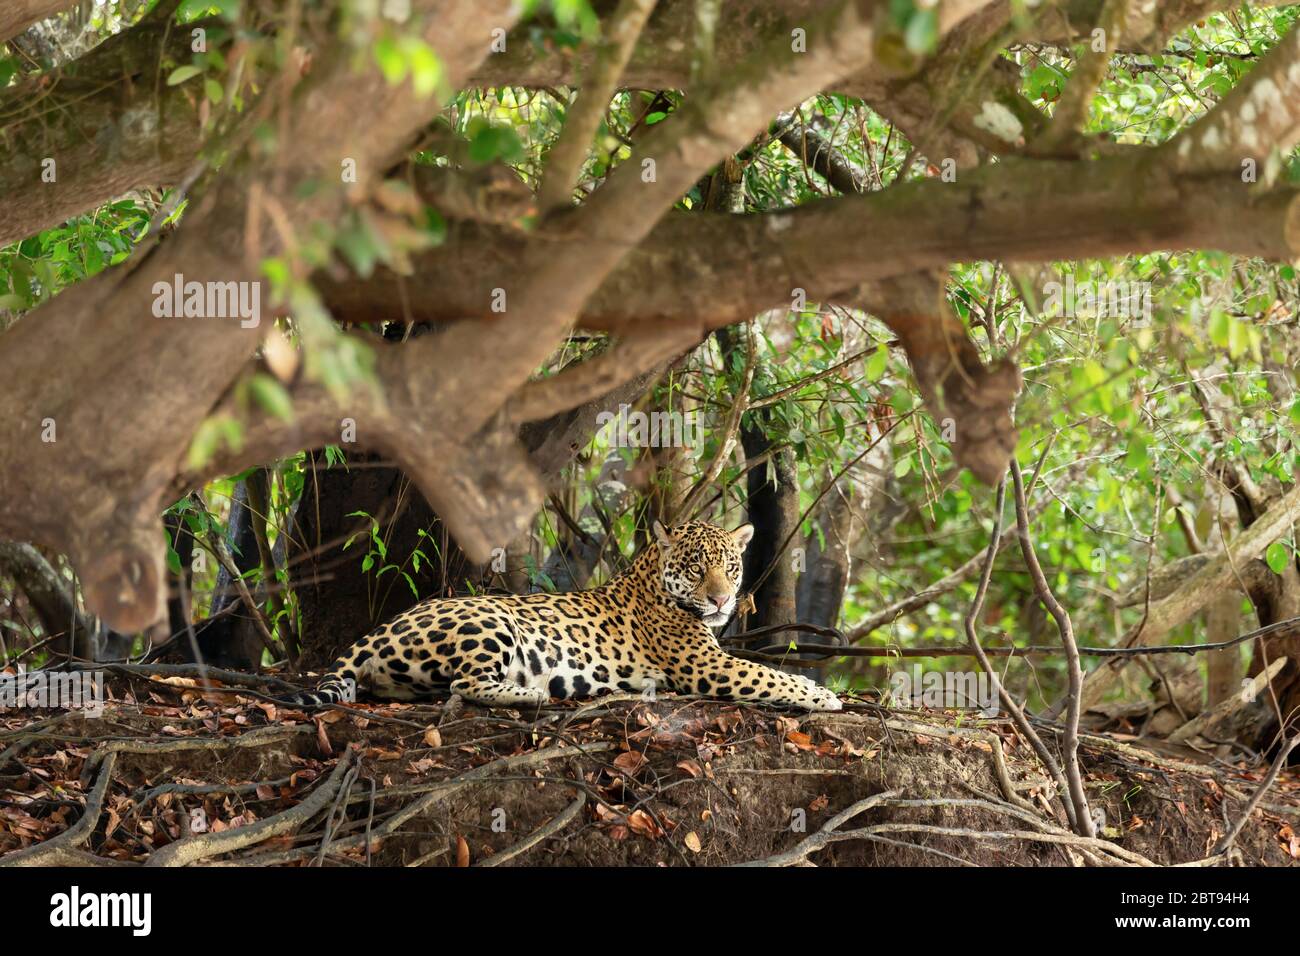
[642,823]
[432,737]
[692,841]
[630,762]
[462,852]
[799,739]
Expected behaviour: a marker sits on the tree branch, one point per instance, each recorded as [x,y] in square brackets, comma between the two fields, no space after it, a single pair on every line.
[565,160]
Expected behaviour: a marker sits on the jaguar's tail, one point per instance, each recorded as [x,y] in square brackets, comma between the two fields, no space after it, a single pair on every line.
[339,686]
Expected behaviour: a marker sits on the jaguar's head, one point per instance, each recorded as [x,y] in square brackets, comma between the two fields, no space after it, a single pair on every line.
[700,567]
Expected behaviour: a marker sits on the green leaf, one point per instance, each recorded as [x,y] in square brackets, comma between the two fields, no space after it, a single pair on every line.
[922,33]
[271,396]
[1277,556]
[183,73]
[390,59]
[1137,453]
[876,365]
[213,90]
[426,68]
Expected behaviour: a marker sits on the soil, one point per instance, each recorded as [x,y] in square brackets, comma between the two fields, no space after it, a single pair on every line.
[613,782]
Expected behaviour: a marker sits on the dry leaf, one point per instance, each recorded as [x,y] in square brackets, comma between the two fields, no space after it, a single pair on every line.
[692,841]
[462,851]
[630,762]
[643,824]
[432,737]
[799,739]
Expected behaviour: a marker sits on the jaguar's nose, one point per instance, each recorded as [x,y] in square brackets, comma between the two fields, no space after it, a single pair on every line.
[719,600]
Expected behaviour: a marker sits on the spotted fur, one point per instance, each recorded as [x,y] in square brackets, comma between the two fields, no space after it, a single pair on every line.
[648,627]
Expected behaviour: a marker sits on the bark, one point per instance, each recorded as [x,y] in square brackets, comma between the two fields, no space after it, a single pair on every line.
[1222,668]
[154,382]
[724,269]
[106,120]
[840,522]
[952,86]
[772,501]
[18,15]
[464,454]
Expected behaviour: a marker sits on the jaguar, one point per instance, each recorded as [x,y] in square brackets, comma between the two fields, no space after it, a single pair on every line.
[650,627]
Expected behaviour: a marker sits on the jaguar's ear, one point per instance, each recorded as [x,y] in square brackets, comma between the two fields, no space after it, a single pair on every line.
[742,535]
[663,536]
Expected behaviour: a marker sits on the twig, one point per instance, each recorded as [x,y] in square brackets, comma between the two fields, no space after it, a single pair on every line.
[729,432]
[1278,629]
[201,847]
[972,636]
[53,851]
[825,835]
[1267,782]
[561,820]
[1084,824]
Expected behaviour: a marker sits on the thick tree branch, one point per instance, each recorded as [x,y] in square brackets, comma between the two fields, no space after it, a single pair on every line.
[1089,70]
[103,333]
[105,121]
[17,15]
[1260,114]
[726,269]
[626,359]
[50,597]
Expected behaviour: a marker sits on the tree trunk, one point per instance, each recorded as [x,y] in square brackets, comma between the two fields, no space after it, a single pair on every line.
[338,601]
[773,503]
[1223,668]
